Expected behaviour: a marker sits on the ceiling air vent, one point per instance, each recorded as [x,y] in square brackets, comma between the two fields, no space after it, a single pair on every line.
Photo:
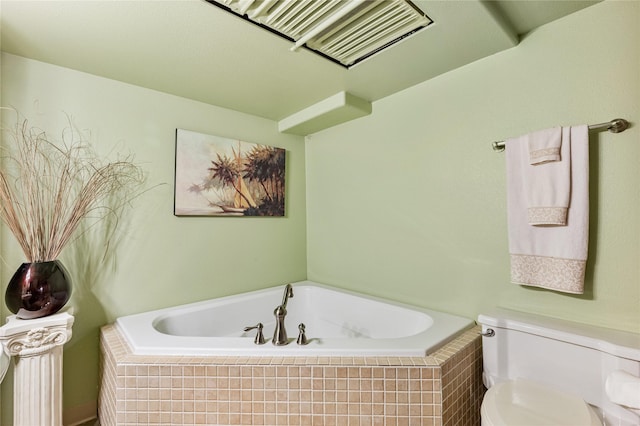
[345,31]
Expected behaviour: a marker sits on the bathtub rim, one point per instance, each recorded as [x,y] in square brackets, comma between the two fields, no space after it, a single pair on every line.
[144,339]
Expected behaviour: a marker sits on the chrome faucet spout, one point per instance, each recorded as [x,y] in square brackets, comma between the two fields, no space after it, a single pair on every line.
[288,292]
[280,333]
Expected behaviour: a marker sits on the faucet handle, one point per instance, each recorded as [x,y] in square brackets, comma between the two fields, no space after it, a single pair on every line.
[259,340]
[302,338]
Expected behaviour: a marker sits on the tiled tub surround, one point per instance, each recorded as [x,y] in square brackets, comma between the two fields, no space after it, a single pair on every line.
[443,388]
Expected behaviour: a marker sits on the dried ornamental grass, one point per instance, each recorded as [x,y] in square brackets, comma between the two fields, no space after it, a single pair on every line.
[47,190]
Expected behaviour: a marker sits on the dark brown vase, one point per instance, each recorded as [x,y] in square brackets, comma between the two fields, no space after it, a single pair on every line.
[38,289]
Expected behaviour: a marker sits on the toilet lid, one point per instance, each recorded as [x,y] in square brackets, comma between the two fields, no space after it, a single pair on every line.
[525,403]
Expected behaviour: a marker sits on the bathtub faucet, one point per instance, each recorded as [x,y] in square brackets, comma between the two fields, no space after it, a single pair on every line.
[280,333]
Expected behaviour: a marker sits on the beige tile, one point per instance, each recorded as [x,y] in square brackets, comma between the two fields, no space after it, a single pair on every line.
[320,390]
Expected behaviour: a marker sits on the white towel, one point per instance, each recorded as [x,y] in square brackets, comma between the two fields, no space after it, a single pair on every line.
[544,145]
[548,183]
[552,257]
[623,389]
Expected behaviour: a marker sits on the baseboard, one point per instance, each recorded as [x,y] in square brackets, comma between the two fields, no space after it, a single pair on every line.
[81,414]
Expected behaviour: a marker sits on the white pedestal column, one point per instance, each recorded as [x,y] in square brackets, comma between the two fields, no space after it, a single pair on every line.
[36,348]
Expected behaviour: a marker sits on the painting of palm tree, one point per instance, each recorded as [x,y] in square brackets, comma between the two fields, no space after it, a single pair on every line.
[218,176]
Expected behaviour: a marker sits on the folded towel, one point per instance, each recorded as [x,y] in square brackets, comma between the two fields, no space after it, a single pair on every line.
[623,389]
[548,184]
[552,257]
[544,145]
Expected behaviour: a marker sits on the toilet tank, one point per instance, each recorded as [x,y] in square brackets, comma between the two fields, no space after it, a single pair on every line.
[567,356]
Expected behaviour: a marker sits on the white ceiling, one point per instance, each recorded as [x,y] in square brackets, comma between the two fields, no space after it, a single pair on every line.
[195,50]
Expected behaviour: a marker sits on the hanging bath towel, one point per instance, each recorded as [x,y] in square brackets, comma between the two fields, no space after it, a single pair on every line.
[548,182]
[549,256]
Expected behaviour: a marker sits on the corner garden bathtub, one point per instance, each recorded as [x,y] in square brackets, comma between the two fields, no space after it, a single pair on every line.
[338,323]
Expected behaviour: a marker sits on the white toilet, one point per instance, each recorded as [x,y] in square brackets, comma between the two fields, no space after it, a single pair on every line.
[543,371]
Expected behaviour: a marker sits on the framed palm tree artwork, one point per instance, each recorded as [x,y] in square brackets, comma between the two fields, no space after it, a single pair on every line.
[218,176]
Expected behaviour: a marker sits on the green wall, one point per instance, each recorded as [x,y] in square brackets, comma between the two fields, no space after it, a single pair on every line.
[155,259]
[409,202]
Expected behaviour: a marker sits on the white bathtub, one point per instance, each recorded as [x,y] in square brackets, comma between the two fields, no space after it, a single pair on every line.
[338,323]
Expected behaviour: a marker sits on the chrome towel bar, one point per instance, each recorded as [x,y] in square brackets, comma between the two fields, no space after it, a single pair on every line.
[616,125]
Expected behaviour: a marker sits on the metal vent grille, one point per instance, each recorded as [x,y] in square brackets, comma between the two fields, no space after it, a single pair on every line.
[346,31]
